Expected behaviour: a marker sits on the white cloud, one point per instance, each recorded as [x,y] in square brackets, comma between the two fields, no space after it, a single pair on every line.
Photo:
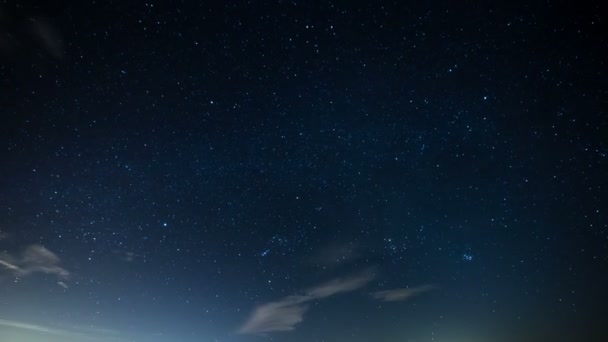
[340,285]
[9,266]
[35,259]
[399,294]
[286,313]
[33,332]
[30,327]
[282,315]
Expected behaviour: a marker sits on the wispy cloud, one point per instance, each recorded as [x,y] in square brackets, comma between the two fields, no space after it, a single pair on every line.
[281,315]
[400,294]
[79,333]
[31,327]
[35,259]
[286,313]
[340,285]
[9,266]
[127,256]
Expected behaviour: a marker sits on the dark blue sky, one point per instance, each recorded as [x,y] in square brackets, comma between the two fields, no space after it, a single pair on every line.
[289,171]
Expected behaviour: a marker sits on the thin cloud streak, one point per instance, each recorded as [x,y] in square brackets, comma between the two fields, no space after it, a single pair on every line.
[35,259]
[286,313]
[31,327]
[399,294]
[9,266]
[81,333]
[340,285]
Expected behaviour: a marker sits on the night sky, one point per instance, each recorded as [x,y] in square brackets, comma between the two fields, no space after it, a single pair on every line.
[250,171]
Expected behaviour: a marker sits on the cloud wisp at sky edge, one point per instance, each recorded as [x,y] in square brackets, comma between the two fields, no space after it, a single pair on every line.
[35,259]
[31,327]
[286,313]
[71,333]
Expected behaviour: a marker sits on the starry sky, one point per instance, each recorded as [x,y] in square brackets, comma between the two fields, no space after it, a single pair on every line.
[251,171]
